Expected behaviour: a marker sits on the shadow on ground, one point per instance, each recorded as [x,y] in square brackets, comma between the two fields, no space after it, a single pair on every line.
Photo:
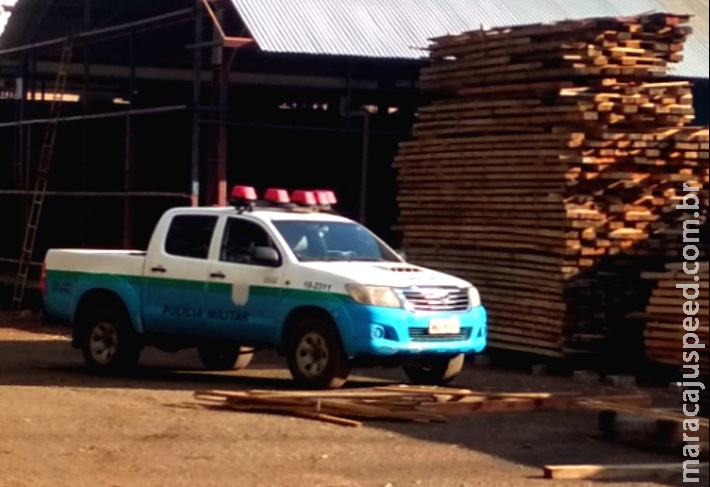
[532,439]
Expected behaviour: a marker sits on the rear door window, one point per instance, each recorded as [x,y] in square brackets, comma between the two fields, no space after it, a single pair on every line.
[190,236]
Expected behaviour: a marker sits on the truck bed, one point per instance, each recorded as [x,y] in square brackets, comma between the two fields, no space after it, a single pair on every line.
[71,272]
[122,262]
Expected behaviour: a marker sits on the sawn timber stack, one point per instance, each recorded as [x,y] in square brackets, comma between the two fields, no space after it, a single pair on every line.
[672,318]
[544,168]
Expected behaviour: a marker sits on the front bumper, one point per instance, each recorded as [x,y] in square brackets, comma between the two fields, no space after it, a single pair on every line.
[374,331]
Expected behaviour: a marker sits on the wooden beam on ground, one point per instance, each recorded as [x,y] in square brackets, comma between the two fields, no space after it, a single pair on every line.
[612,472]
[402,402]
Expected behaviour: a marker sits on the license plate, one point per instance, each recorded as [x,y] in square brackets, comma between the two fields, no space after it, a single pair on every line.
[444,326]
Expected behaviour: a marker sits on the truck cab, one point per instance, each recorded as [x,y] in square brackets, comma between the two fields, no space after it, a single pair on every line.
[283,272]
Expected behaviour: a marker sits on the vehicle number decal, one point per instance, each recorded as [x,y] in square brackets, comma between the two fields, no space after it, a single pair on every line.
[317,286]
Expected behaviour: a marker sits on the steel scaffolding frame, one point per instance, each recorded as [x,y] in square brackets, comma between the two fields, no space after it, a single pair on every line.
[213,53]
[26,72]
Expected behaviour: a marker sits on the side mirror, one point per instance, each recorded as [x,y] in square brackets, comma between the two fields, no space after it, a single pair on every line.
[402,255]
[265,256]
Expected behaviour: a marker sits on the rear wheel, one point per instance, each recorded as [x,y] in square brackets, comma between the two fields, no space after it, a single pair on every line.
[108,341]
[436,373]
[315,355]
[225,356]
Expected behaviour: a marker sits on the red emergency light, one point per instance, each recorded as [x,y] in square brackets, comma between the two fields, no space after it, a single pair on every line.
[326,197]
[322,198]
[242,198]
[274,195]
[305,198]
[243,193]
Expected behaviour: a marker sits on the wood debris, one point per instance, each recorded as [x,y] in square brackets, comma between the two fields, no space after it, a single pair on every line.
[547,169]
[398,402]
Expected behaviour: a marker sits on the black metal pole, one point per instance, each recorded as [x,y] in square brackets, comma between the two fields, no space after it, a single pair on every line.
[196,98]
[129,162]
[31,110]
[20,127]
[349,95]
[365,163]
[84,157]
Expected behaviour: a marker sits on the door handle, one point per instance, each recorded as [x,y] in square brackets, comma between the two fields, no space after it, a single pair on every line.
[218,275]
[159,268]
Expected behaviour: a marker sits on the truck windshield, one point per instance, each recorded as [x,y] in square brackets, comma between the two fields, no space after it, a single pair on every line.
[333,241]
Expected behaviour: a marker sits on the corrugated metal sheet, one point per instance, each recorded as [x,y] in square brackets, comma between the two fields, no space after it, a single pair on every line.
[5,12]
[401,28]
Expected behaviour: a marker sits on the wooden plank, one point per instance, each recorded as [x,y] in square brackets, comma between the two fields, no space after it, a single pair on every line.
[612,472]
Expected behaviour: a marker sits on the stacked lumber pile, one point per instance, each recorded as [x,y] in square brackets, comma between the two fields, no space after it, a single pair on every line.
[665,318]
[403,403]
[542,170]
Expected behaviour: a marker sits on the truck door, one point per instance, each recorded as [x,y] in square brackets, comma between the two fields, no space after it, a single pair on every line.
[243,296]
[175,277]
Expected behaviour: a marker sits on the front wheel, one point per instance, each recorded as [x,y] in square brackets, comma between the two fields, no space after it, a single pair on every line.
[436,373]
[316,357]
[109,343]
[225,356]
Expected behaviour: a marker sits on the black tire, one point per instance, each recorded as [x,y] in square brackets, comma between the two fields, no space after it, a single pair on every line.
[108,342]
[225,356]
[315,355]
[436,373]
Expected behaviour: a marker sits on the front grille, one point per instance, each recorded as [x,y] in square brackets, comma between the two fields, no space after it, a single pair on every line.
[422,335]
[399,269]
[436,298]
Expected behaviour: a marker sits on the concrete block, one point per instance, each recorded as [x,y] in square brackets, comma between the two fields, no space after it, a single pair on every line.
[621,381]
[585,376]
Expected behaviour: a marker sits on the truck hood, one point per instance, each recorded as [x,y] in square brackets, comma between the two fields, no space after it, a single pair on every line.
[393,274]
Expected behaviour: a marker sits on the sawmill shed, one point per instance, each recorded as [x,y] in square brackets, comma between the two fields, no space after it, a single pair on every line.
[169,102]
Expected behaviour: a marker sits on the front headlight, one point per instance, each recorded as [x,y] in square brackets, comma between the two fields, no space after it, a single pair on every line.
[474,299]
[374,295]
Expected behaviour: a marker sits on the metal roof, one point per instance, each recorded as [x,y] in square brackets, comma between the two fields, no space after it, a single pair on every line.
[5,12]
[400,29]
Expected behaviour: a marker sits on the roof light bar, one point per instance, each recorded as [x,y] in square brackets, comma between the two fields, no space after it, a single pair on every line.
[242,198]
[328,197]
[244,193]
[304,198]
[274,195]
[322,198]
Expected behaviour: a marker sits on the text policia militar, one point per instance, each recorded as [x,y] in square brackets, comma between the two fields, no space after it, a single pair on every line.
[212,314]
[692,345]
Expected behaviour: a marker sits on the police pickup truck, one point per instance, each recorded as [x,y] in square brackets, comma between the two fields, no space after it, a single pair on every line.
[283,272]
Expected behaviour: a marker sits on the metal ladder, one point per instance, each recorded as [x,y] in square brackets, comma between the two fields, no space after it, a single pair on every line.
[45,160]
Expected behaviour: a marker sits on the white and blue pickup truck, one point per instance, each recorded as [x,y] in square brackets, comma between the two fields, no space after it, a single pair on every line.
[284,273]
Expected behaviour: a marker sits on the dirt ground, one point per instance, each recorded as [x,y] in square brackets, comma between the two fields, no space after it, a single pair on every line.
[60,426]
